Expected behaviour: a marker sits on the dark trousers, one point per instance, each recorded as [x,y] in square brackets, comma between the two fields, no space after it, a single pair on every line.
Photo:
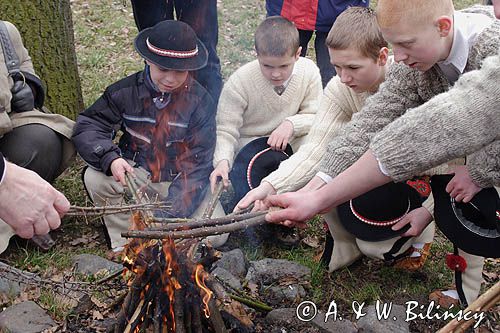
[35,147]
[326,69]
[201,15]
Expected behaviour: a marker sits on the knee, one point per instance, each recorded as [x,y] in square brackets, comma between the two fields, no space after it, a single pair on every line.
[100,187]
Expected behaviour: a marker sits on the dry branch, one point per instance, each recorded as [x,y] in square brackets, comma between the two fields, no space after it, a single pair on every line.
[198,232]
[109,210]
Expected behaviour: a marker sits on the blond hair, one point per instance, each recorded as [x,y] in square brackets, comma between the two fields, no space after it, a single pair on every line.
[357,28]
[416,12]
[277,37]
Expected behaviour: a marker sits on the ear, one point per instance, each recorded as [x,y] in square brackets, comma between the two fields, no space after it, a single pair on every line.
[383,55]
[297,54]
[444,24]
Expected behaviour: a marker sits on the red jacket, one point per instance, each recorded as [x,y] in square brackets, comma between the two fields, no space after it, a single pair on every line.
[311,15]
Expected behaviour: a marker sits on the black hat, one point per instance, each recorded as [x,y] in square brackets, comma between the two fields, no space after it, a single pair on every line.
[370,216]
[473,227]
[173,45]
[254,162]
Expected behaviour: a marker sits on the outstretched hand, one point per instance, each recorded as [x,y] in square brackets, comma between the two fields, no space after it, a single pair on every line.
[256,197]
[29,204]
[298,208]
[418,219]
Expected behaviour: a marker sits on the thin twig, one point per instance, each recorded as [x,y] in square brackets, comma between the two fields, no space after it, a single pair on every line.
[205,222]
[213,201]
[198,232]
[108,210]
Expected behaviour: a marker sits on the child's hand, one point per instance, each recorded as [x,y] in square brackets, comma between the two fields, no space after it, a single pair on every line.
[118,169]
[461,187]
[221,170]
[256,196]
[418,219]
[280,137]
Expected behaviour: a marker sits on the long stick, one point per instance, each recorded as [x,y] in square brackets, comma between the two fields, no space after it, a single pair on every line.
[198,232]
[213,201]
[108,210]
[205,222]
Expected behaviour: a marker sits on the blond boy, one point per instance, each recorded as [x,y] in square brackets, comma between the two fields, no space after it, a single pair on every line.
[275,95]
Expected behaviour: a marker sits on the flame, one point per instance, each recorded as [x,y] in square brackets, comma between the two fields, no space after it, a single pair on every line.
[200,281]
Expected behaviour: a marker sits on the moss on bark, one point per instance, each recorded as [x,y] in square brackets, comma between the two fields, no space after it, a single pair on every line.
[47,30]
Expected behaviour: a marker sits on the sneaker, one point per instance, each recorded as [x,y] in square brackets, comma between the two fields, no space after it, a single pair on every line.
[415,263]
[445,301]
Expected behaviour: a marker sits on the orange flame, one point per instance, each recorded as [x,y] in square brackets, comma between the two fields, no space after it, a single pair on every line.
[200,281]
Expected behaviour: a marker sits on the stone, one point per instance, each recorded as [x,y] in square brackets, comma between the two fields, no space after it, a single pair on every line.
[91,264]
[8,286]
[290,294]
[226,277]
[332,325]
[268,271]
[233,261]
[283,316]
[394,324]
[26,317]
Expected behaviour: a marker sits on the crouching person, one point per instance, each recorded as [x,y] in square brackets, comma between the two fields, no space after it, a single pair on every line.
[168,124]
[30,136]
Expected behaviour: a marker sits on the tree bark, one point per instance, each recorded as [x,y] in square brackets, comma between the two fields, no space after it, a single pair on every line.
[47,30]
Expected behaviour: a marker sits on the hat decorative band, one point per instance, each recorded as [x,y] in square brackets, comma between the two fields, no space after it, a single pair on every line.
[375,222]
[171,53]
[252,161]
[471,226]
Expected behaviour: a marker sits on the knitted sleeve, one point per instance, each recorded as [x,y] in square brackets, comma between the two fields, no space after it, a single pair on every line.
[484,165]
[304,118]
[332,115]
[233,103]
[398,93]
[450,125]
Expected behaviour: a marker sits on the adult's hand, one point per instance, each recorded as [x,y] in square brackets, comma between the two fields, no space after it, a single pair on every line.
[118,168]
[461,187]
[281,136]
[222,171]
[256,196]
[29,204]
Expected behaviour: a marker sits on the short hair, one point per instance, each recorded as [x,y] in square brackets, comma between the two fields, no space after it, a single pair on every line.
[357,28]
[276,36]
[415,12]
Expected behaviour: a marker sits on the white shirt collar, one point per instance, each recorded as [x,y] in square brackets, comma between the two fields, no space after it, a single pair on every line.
[466,28]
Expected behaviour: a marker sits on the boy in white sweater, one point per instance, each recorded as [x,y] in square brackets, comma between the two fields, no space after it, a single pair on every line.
[275,95]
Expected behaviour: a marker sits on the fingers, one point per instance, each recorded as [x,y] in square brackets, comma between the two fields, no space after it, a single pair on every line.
[25,231]
[61,204]
[213,181]
[404,221]
[41,227]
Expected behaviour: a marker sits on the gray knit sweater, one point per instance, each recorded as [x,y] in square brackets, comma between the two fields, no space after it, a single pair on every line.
[404,88]
[467,118]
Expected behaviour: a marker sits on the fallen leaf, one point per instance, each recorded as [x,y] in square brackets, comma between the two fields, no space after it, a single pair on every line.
[97,315]
[78,241]
[311,241]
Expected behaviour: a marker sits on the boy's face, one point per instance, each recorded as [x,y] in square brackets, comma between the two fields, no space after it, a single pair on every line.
[166,80]
[277,69]
[357,71]
[420,46]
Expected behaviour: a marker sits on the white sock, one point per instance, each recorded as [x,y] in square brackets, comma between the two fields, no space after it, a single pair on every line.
[451,293]
[419,246]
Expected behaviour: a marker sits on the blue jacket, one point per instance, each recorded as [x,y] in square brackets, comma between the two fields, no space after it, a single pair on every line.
[174,144]
[311,15]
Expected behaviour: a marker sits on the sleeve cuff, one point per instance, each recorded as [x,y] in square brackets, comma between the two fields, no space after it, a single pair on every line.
[324,177]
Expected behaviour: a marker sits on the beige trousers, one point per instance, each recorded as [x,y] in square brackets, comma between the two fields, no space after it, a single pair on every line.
[104,190]
[347,248]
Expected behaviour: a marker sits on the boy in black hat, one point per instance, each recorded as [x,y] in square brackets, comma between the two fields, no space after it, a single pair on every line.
[168,124]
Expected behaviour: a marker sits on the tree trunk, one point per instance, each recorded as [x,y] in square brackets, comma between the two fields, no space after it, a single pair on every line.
[47,30]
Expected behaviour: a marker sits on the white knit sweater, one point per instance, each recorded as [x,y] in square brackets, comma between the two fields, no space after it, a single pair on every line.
[249,107]
[336,108]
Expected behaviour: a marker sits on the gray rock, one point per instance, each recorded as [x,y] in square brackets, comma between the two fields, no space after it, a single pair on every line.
[338,325]
[226,277]
[233,261]
[291,294]
[9,287]
[26,317]
[284,316]
[91,264]
[395,323]
[268,271]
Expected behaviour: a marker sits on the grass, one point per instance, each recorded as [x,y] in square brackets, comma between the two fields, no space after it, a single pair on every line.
[104,33]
